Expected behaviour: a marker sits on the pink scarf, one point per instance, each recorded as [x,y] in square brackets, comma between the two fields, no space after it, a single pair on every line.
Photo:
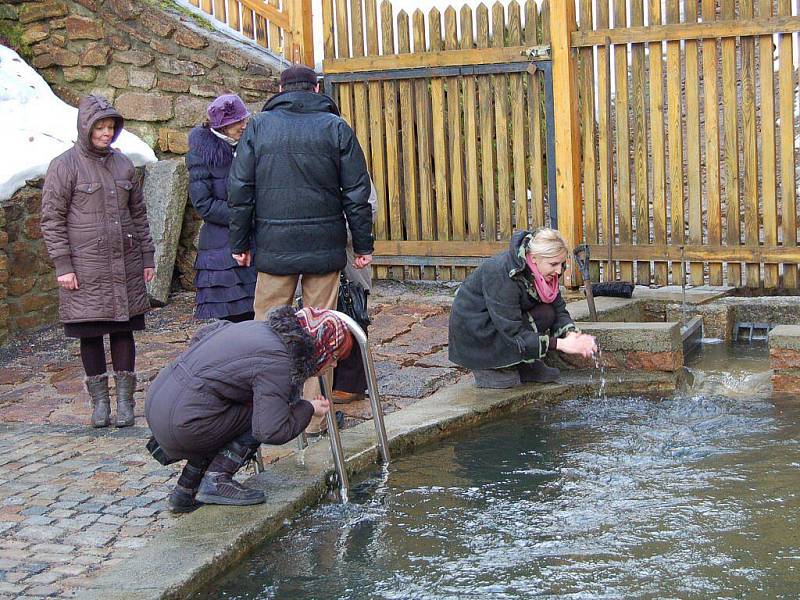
[547,289]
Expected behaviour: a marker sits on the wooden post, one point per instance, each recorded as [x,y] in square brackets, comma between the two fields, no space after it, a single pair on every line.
[302,30]
[567,138]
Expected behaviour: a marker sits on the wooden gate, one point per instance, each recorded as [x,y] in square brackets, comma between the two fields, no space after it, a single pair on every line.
[689,140]
[450,112]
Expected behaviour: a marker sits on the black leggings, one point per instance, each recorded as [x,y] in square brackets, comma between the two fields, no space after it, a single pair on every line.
[123,353]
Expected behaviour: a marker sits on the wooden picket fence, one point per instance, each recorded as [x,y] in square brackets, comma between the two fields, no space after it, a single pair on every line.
[449,112]
[688,150]
[283,26]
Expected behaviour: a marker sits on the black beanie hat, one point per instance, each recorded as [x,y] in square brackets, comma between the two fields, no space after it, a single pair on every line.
[298,74]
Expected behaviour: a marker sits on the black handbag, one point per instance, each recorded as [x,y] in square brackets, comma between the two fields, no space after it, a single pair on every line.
[353,301]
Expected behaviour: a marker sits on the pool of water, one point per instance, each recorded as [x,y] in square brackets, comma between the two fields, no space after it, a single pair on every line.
[690,496]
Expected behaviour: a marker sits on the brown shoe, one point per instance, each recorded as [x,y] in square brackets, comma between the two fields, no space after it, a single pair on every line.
[340,397]
[317,426]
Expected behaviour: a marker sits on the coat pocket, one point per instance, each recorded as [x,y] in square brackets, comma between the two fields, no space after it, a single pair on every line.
[124,187]
[88,195]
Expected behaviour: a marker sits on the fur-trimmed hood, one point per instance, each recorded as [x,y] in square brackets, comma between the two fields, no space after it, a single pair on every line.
[283,321]
[210,149]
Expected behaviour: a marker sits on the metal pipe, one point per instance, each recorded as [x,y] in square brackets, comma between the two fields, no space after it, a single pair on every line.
[336,441]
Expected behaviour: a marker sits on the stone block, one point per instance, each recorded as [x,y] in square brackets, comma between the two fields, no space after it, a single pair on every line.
[39,11]
[17,286]
[64,58]
[8,12]
[147,131]
[35,33]
[204,59]
[88,4]
[155,22]
[780,359]
[216,77]
[785,337]
[189,111]
[171,140]
[144,107]
[232,58]
[189,39]
[172,84]
[117,76]
[261,84]
[59,40]
[127,9]
[72,74]
[82,28]
[174,66]
[37,302]
[162,47]
[165,190]
[260,70]
[138,58]
[117,42]
[96,54]
[43,61]
[786,382]
[141,79]
[635,337]
[205,91]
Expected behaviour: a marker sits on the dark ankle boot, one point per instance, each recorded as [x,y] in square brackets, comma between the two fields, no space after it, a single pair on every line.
[537,372]
[218,485]
[183,497]
[126,385]
[97,386]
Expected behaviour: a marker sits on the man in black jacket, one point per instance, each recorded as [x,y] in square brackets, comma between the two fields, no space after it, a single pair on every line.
[299,172]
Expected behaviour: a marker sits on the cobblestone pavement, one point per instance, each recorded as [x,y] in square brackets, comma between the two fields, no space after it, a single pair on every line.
[74,500]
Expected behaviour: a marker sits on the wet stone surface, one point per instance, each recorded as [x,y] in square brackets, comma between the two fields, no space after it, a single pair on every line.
[75,500]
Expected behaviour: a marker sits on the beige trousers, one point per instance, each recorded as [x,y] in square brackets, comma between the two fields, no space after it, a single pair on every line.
[319,291]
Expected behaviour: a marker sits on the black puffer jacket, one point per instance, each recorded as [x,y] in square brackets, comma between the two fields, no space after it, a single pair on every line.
[489,324]
[300,170]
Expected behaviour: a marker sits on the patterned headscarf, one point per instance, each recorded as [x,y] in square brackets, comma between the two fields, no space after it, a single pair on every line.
[332,339]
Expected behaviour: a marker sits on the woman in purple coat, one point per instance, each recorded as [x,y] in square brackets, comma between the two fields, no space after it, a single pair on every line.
[224,289]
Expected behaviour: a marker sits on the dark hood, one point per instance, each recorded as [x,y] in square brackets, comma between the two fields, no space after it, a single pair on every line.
[210,149]
[515,263]
[90,110]
[300,101]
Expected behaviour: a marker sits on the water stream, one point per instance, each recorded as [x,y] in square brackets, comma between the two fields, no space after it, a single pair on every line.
[690,496]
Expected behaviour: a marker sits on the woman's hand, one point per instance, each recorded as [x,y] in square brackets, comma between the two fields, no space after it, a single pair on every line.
[68,281]
[244,259]
[149,273]
[321,406]
[577,343]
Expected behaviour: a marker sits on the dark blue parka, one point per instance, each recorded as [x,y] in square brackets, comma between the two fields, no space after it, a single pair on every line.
[299,171]
[223,288]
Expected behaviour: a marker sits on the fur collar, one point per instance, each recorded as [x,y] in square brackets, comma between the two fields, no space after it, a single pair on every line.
[210,149]
[298,342]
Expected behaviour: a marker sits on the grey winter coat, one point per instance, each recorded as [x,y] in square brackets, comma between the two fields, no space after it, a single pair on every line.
[94,224]
[489,323]
[235,377]
[298,173]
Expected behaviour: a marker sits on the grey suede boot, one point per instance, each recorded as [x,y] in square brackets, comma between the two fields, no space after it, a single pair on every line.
[97,386]
[218,485]
[538,372]
[126,385]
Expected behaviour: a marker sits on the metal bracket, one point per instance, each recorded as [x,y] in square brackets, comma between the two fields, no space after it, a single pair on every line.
[538,52]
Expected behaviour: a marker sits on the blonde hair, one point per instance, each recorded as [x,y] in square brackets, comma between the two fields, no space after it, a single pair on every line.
[547,243]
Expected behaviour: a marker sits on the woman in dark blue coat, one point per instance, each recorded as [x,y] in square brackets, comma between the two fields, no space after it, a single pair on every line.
[224,289]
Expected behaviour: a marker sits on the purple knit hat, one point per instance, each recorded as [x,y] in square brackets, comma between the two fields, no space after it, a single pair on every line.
[225,110]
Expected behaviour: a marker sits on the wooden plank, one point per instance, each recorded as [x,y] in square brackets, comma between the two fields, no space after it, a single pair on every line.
[604,153]
[659,174]
[409,155]
[768,163]
[487,132]
[675,141]
[207,6]
[267,12]
[502,111]
[711,130]
[248,23]
[219,11]
[586,76]
[730,141]
[422,100]
[442,58]
[725,28]
[455,141]
[749,144]
[262,35]
[377,136]
[471,133]
[534,95]
[233,15]
[640,150]
[328,25]
[693,182]
[194,2]
[439,154]
[393,175]
[518,110]
[360,104]
[567,134]
[705,253]
[624,222]
[275,42]
[788,189]
[345,90]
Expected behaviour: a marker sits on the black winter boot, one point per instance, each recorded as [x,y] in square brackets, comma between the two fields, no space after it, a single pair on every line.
[218,485]
[97,386]
[537,372]
[126,385]
[182,499]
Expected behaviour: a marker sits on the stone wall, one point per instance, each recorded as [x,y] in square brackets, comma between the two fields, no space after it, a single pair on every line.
[28,288]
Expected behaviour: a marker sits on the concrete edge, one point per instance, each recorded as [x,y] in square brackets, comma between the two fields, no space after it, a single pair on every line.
[192,553]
